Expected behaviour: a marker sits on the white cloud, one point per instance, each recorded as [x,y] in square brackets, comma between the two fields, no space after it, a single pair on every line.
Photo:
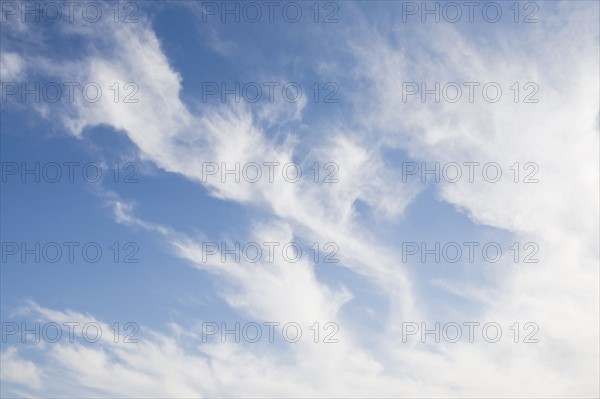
[559,133]
[11,66]
[19,371]
[560,213]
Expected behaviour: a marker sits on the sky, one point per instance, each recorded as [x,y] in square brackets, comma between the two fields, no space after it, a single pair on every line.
[299,199]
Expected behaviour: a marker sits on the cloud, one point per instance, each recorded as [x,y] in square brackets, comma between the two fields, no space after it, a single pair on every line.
[178,141]
[559,213]
[19,371]
[559,134]
[11,67]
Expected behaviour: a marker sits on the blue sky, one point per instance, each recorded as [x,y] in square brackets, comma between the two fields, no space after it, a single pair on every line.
[165,210]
